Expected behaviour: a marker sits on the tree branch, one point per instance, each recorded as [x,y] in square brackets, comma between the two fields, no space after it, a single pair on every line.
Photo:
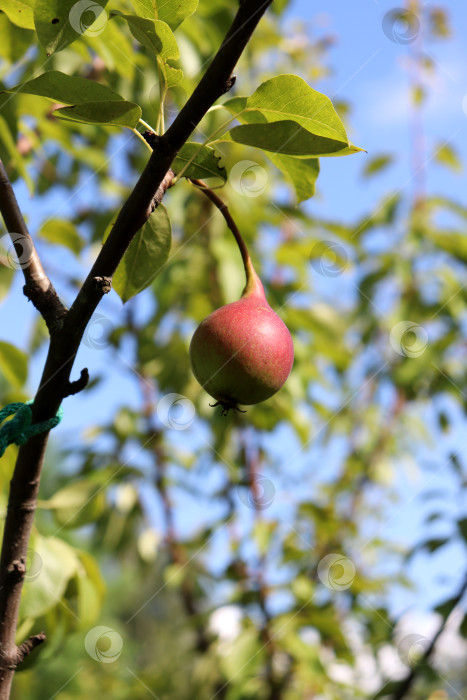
[38,287]
[79,384]
[29,645]
[66,337]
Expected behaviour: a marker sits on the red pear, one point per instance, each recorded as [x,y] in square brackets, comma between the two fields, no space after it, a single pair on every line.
[242,353]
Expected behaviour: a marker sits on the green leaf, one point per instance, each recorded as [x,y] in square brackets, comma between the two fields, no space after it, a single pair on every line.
[158,38]
[301,172]
[263,531]
[146,8]
[6,278]
[154,35]
[285,138]
[173,76]
[377,164]
[452,242]
[145,257]
[447,156]
[118,113]
[462,525]
[463,627]
[91,589]
[53,563]
[20,12]
[13,364]
[77,504]
[446,608]
[347,151]
[14,40]
[16,159]
[67,89]
[62,232]
[236,105]
[287,116]
[175,11]
[60,22]
[205,162]
[171,11]
[389,689]
[244,656]
[433,544]
[289,97]
[231,270]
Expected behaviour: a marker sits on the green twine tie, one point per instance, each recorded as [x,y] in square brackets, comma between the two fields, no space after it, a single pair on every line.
[18,430]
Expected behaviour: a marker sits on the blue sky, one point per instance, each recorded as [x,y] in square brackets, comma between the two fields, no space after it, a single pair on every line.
[370,72]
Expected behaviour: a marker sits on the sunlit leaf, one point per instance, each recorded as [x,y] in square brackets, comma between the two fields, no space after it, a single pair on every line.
[20,12]
[287,116]
[173,13]
[447,156]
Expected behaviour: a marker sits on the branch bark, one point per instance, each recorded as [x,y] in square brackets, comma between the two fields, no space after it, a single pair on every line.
[38,288]
[67,327]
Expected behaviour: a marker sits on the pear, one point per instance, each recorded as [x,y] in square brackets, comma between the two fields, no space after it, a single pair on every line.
[242,353]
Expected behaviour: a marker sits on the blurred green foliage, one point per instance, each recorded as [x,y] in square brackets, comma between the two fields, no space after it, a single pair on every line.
[222,561]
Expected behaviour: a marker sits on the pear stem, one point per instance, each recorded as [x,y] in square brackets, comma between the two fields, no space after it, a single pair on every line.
[253,282]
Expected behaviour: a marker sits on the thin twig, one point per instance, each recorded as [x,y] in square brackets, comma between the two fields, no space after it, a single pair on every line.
[224,210]
[79,384]
[38,288]
[252,279]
